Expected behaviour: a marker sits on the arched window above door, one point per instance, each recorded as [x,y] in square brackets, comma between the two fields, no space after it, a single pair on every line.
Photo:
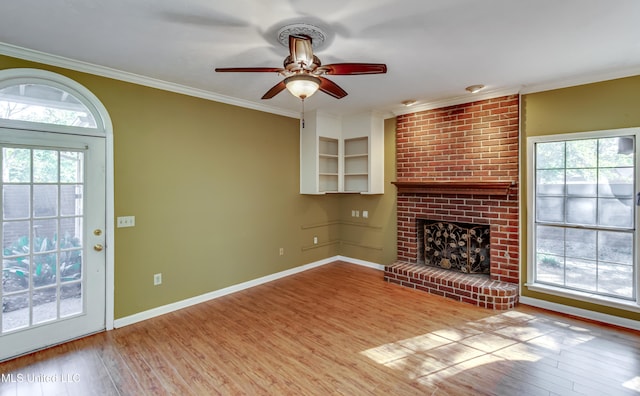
[40,100]
[44,104]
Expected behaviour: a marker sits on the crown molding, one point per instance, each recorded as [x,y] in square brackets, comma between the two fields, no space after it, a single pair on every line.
[581,80]
[456,100]
[102,71]
[522,90]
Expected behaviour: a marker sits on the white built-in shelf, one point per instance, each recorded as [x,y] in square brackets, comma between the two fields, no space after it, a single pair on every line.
[356,164]
[342,154]
[328,164]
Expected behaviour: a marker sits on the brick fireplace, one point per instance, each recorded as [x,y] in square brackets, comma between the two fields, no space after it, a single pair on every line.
[460,164]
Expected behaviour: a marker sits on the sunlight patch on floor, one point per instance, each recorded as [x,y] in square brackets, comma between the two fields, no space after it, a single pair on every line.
[633,384]
[508,336]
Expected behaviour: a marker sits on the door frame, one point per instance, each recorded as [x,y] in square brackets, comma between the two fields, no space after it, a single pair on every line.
[104,129]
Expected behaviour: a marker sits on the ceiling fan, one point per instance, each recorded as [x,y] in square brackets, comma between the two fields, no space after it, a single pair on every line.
[304,72]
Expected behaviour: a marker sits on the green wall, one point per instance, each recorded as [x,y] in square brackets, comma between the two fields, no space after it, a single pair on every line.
[600,106]
[215,192]
[374,238]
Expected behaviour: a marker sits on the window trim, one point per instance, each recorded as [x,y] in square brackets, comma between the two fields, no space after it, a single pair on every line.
[530,284]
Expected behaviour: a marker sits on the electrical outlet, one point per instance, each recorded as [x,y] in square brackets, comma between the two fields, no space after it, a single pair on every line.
[315,240]
[126,221]
[282,251]
[157,279]
[365,214]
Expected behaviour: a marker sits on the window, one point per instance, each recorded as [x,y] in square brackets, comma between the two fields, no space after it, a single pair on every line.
[582,226]
[38,100]
[44,104]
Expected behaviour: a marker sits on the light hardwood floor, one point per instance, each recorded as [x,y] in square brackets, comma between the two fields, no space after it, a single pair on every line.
[338,330]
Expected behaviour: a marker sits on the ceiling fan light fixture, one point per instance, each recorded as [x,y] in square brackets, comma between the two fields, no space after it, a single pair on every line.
[302,85]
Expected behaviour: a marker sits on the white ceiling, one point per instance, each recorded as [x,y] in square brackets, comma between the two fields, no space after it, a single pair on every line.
[433,48]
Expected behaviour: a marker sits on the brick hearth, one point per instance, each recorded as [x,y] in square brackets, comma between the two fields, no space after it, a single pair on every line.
[478,290]
[472,143]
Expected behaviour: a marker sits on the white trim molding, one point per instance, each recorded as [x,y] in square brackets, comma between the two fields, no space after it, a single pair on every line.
[581,313]
[151,313]
[581,80]
[85,67]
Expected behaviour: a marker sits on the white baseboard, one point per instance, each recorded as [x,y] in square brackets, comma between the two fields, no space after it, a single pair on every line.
[151,313]
[581,313]
[363,263]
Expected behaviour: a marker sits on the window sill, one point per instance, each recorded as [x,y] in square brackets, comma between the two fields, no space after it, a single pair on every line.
[611,302]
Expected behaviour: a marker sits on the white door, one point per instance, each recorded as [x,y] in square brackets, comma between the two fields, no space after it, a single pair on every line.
[53,236]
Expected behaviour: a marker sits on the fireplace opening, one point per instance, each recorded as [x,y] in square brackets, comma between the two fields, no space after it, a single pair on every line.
[460,247]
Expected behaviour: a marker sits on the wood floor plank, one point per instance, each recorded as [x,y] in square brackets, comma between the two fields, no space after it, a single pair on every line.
[340,330]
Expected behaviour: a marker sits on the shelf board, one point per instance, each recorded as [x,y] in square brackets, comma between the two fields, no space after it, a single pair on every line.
[455,187]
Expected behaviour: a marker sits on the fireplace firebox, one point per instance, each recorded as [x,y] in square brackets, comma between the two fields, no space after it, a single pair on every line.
[454,246]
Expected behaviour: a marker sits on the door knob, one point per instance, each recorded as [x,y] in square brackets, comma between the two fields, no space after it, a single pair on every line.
[98,247]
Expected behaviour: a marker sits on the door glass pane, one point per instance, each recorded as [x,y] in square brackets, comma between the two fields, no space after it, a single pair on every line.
[16,239]
[71,299]
[71,167]
[71,200]
[45,166]
[70,249]
[43,270]
[44,305]
[16,165]
[15,201]
[42,233]
[45,200]
[15,311]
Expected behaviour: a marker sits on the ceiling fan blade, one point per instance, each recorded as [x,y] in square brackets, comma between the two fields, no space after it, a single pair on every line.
[301,49]
[276,89]
[250,69]
[331,88]
[354,68]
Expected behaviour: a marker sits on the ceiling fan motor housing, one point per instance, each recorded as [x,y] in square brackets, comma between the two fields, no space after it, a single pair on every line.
[317,35]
